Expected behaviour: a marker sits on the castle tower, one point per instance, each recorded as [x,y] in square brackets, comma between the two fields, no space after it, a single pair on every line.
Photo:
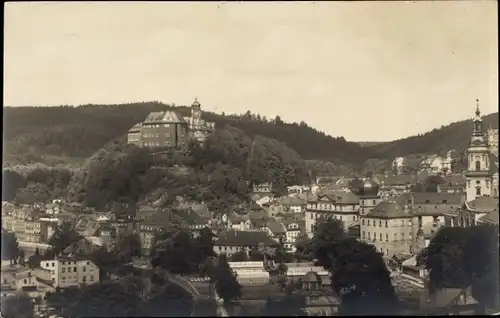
[196,113]
[479,177]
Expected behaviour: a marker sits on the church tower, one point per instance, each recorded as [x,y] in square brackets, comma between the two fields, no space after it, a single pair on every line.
[479,177]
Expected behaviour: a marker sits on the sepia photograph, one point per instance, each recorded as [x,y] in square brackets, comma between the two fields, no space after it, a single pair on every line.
[250,158]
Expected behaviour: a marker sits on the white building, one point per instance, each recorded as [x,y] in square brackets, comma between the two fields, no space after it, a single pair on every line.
[479,174]
[199,129]
[67,271]
[493,141]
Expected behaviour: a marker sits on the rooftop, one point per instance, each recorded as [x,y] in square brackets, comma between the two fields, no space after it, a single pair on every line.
[166,117]
[245,238]
[388,210]
[338,197]
[483,204]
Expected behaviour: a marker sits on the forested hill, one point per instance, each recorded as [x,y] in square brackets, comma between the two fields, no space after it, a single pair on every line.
[454,136]
[80,131]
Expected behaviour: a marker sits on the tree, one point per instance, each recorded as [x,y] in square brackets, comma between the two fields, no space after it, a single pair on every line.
[461,257]
[63,236]
[175,254]
[203,252]
[302,247]
[10,247]
[17,306]
[34,192]
[226,284]
[361,277]
[128,247]
[256,255]
[11,181]
[328,232]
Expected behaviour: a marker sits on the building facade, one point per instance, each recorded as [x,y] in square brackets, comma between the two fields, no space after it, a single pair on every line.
[479,176]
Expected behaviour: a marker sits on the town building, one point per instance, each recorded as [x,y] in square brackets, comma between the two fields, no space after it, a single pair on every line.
[393,185]
[160,130]
[293,229]
[298,189]
[199,129]
[232,241]
[479,172]
[340,205]
[387,227]
[68,271]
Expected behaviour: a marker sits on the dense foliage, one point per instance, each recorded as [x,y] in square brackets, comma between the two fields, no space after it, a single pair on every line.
[462,257]
[32,132]
[65,134]
[453,136]
[64,235]
[17,306]
[359,274]
[181,253]
[10,247]
[131,296]
[225,281]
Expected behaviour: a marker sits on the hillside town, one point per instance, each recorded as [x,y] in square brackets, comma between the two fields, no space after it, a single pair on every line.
[398,213]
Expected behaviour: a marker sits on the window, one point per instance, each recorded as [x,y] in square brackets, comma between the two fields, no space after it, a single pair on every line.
[380,223]
[478,191]
[91,278]
[69,270]
[395,236]
[387,237]
[63,270]
[380,236]
[387,251]
[374,236]
[386,224]
[368,235]
[25,281]
[363,234]
[312,217]
[84,268]
[53,264]
[75,269]
[427,201]
[478,182]
[374,202]
[84,279]
[368,222]
[478,165]
[402,236]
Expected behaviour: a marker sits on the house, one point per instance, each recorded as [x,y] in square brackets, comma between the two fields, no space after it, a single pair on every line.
[298,189]
[340,205]
[240,222]
[292,204]
[394,185]
[293,229]
[263,189]
[155,223]
[71,270]
[231,241]
[276,230]
[192,220]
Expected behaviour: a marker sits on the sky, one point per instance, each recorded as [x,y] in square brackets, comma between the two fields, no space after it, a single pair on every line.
[368,71]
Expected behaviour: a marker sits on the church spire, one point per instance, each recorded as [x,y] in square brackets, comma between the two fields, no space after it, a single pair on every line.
[478,113]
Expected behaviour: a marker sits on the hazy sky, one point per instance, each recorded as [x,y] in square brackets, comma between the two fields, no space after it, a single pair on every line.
[371,71]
